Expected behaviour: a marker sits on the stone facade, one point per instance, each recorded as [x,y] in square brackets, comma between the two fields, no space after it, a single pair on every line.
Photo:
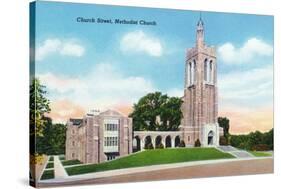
[104,136]
[99,137]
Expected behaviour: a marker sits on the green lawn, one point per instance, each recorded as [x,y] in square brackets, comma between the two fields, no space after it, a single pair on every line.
[62,157]
[48,174]
[153,157]
[51,158]
[50,165]
[70,162]
[260,154]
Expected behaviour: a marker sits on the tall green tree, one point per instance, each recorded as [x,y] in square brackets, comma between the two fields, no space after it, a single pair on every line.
[254,140]
[53,140]
[269,138]
[224,123]
[39,106]
[153,106]
[170,114]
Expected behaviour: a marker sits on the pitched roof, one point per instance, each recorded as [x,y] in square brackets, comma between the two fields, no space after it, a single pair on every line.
[111,113]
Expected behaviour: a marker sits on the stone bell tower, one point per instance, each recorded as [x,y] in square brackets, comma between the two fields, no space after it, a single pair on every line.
[200,107]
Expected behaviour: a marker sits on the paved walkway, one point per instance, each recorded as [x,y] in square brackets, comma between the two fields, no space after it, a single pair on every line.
[216,168]
[60,172]
[235,152]
[135,170]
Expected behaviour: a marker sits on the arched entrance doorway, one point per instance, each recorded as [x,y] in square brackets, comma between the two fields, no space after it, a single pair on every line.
[136,144]
[168,142]
[211,138]
[177,141]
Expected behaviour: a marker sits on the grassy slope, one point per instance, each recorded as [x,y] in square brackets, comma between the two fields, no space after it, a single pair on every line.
[70,162]
[48,174]
[260,154]
[50,165]
[153,157]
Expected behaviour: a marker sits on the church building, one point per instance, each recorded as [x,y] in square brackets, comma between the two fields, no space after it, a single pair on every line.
[99,137]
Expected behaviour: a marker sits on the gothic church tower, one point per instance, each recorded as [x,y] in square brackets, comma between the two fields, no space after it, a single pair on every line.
[200,107]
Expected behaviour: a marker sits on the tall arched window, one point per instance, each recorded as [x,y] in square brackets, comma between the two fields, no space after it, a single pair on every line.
[205,69]
[211,72]
[186,75]
[190,74]
[194,71]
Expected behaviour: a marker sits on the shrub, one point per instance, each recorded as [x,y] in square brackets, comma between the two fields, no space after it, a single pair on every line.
[260,147]
[160,146]
[242,145]
[36,159]
[149,146]
[197,143]
[182,143]
[223,141]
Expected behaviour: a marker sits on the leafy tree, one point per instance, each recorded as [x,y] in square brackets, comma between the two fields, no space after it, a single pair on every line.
[224,123]
[236,140]
[254,138]
[170,114]
[253,141]
[153,106]
[269,139]
[39,106]
[53,141]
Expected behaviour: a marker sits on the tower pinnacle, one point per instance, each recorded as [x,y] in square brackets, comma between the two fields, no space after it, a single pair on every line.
[200,33]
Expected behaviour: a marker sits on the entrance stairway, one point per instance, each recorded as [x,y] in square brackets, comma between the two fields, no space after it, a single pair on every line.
[235,152]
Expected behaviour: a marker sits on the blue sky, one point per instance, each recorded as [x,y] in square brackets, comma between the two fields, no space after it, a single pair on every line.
[90,64]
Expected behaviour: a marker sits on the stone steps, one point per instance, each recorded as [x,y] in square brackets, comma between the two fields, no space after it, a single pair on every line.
[235,152]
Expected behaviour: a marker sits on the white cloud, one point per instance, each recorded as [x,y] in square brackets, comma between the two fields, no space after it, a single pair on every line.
[49,46]
[252,87]
[72,49]
[56,46]
[140,42]
[250,50]
[59,83]
[102,88]
[175,92]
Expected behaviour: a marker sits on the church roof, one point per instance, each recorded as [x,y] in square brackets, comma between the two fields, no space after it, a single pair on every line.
[111,112]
